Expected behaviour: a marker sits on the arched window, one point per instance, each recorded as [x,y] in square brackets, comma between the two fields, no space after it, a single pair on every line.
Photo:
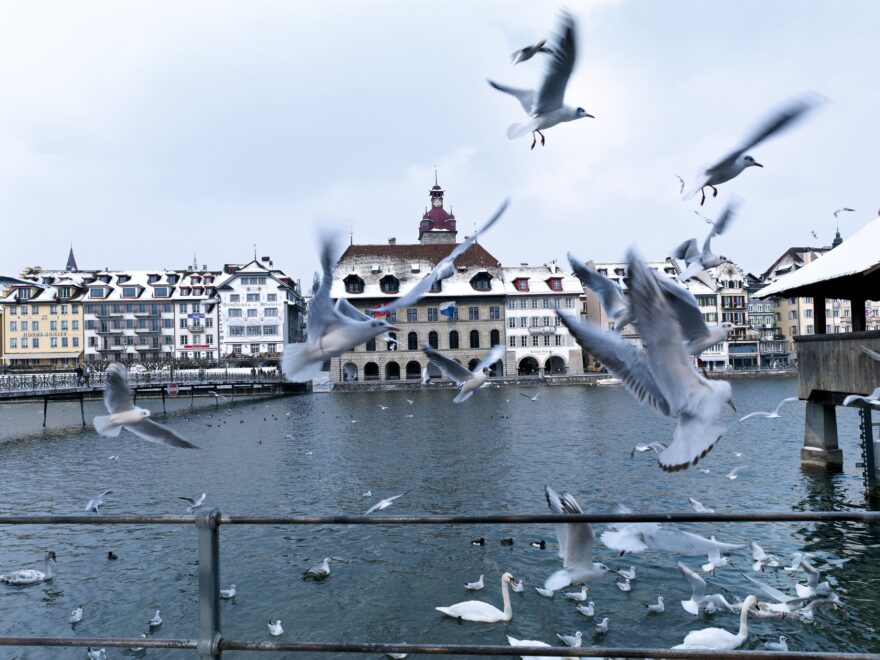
[475,338]
[412,341]
[413,370]
[453,339]
[392,371]
[371,371]
[494,338]
[371,344]
[349,371]
[433,339]
[391,342]
[473,364]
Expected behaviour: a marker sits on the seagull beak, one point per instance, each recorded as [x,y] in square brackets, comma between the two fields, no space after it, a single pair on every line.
[394,328]
[590,116]
[730,403]
[757,164]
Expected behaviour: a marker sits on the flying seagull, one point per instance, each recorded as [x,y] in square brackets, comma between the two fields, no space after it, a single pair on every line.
[873,399]
[123,413]
[843,209]
[736,161]
[443,270]
[384,504]
[194,502]
[468,380]
[96,502]
[770,415]
[664,376]
[331,332]
[529,52]
[695,260]
[610,292]
[545,106]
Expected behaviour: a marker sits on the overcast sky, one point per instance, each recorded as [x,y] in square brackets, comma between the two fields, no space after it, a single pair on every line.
[144,132]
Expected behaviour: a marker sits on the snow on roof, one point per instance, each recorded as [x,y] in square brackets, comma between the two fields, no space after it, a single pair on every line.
[857,255]
[539,277]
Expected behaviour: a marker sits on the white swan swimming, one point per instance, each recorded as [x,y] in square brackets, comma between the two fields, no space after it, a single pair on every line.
[29,575]
[513,641]
[718,639]
[476,610]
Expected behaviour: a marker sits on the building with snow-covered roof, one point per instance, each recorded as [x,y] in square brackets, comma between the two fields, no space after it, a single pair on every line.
[541,344]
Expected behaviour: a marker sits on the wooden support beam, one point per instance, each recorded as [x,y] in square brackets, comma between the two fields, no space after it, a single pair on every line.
[45,409]
[82,410]
[819,315]
[859,321]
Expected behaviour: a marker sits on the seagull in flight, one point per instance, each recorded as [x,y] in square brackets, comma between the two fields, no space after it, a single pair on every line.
[529,52]
[575,545]
[331,330]
[738,160]
[770,415]
[194,502]
[842,210]
[874,355]
[468,380]
[733,474]
[531,398]
[545,106]
[123,413]
[697,261]
[814,234]
[384,504]
[662,377]
[96,502]
[873,399]
[656,447]
[610,292]
[698,506]
[444,269]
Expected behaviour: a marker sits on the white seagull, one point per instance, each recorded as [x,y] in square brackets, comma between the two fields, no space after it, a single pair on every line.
[527,53]
[444,269]
[698,507]
[602,626]
[699,600]
[696,261]
[628,574]
[842,210]
[97,654]
[228,593]
[761,558]
[579,596]
[656,608]
[873,399]
[775,413]
[531,398]
[156,620]
[275,628]
[194,502]
[468,380]
[575,545]
[587,610]
[474,586]
[738,160]
[714,559]
[545,106]
[517,586]
[624,586]
[123,413]
[384,504]
[546,593]
[513,641]
[638,537]
[610,293]
[96,502]
[331,330]
[76,616]
[656,447]
[319,571]
[665,378]
[734,473]
[781,645]
[574,641]
[874,355]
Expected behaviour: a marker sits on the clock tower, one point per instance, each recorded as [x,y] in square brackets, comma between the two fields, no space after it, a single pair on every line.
[437,226]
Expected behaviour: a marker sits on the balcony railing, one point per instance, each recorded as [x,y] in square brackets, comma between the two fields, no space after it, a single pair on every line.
[210,643]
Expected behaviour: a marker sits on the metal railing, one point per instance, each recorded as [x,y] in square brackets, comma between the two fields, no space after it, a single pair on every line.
[211,643]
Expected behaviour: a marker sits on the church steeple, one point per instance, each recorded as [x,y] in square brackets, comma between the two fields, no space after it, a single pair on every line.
[71,261]
[437,225]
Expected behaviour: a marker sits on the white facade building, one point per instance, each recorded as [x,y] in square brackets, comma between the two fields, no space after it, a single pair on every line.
[540,342]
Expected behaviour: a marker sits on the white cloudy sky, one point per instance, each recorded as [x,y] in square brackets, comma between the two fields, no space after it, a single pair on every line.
[145,131]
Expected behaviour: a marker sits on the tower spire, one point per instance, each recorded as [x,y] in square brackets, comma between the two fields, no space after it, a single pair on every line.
[435,176]
[71,261]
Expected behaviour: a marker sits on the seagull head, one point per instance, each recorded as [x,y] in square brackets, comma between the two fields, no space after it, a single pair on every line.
[384,325]
[751,162]
[580,113]
[144,412]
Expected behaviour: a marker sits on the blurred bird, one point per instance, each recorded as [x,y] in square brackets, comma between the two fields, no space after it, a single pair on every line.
[527,53]
[96,502]
[468,380]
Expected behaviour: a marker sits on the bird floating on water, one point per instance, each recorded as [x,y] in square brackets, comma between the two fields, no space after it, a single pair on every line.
[574,641]
[474,586]
[76,616]
[579,596]
[156,620]
[319,571]
[228,593]
[718,639]
[587,610]
[275,628]
[26,576]
[476,610]
[656,608]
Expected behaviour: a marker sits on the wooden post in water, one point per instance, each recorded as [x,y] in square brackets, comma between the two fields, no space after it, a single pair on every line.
[82,410]
[192,393]
[45,409]
[163,399]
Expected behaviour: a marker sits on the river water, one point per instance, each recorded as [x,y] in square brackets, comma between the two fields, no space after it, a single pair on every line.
[319,454]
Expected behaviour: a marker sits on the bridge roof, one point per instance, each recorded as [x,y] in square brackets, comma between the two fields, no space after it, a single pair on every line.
[839,273]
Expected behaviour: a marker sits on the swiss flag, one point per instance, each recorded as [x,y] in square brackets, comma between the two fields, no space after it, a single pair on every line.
[378,315]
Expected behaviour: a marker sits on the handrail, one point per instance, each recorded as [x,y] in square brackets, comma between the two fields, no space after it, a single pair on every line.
[210,643]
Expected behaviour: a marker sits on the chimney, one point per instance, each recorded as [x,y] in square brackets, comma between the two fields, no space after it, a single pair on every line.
[392,240]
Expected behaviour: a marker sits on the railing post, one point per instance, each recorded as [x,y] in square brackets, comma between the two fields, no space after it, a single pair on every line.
[208,524]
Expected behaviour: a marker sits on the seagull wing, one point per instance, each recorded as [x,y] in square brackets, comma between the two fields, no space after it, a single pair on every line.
[153,432]
[621,358]
[346,309]
[575,539]
[551,93]
[698,584]
[672,539]
[685,307]
[779,120]
[610,293]
[117,392]
[187,499]
[422,287]
[526,97]
[775,594]
[450,368]
[787,399]
[322,314]
[491,357]
[688,251]
[759,413]
[720,225]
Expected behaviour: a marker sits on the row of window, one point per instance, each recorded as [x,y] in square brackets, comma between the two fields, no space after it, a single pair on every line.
[390,284]
[54,342]
[545,303]
[808,313]
[196,340]
[252,330]
[34,326]
[14,310]
[238,349]
[535,340]
[413,343]
[252,313]
[251,280]
[252,297]
[536,321]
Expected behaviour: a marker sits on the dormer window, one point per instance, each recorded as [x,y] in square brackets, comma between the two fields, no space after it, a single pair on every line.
[197,291]
[437,286]
[521,283]
[603,271]
[151,278]
[160,292]
[353,284]
[481,281]
[555,283]
[389,284]
[64,292]
[129,292]
[172,279]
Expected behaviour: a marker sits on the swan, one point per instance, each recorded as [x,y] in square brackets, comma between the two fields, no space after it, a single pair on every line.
[513,641]
[476,610]
[718,639]
[29,575]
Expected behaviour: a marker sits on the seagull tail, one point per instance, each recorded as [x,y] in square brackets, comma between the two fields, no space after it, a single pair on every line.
[461,397]
[297,365]
[515,131]
[105,428]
